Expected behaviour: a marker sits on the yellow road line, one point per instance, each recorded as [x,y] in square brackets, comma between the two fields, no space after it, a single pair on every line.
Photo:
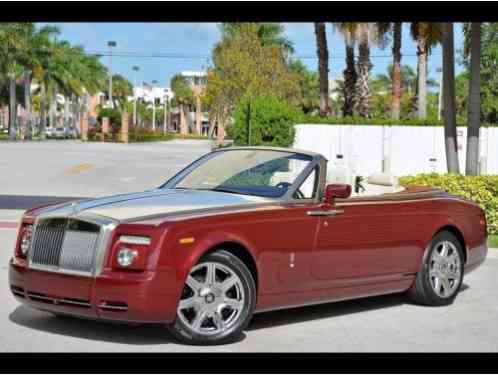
[78,168]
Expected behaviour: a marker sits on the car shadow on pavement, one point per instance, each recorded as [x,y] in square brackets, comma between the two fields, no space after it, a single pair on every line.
[147,334]
[329,310]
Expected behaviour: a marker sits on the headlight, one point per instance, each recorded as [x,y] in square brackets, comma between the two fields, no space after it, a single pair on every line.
[27,234]
[126,257]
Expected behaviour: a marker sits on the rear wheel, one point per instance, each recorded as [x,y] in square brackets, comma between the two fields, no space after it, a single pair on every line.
[217,301]
[441,276]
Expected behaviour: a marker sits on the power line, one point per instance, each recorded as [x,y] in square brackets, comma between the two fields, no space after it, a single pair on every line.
[136,54]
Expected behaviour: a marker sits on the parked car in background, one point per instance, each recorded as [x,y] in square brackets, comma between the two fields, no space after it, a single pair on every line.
[239,231]
[71,132]
[59,132]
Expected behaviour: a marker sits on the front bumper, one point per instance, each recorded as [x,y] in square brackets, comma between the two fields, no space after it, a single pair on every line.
[142,297]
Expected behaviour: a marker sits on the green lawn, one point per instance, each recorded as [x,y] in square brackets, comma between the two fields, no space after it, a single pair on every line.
[492,240]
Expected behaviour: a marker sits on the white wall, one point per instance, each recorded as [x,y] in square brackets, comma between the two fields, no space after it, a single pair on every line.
[409,147]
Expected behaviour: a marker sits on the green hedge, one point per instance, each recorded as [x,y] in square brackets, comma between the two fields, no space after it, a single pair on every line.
[146,135]
[481,189]
[315,119]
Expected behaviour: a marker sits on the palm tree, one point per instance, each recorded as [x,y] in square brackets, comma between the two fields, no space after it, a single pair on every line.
[183,97]
[366,36]
[427,35]
[348,30]
[450,135]
[474,114]
[323,67]
[396,89]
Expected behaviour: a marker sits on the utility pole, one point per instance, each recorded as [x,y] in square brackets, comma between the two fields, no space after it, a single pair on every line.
[110,44]
[153,106]
[165,110]
[135,70]
[440,96]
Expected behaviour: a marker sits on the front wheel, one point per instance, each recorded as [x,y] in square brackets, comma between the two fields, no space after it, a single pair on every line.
[217,301]
[441,276]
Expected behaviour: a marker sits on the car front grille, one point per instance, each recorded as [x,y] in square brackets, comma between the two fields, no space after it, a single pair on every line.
[64,245]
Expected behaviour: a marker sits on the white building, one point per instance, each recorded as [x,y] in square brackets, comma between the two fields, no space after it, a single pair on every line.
[148,94]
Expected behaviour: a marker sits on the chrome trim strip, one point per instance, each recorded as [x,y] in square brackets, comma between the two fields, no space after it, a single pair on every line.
[325,213]
[135,240]
[105,306]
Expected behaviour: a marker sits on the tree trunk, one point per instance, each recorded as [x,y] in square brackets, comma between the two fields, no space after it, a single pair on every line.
[422,78]
[12,109]
[350,78]
[53,109]
[364,66]
[66,112]
[183,122]
[43,113]
[397,30]
[27,105]
[474,114]
[450,131]
[323,67]
[198,115]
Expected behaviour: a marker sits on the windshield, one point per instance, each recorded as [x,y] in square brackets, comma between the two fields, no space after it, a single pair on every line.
[264,173]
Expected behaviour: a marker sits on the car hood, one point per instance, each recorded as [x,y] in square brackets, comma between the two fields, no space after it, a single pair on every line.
[127,207]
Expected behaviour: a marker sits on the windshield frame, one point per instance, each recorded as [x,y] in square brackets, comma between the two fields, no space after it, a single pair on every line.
[316,159]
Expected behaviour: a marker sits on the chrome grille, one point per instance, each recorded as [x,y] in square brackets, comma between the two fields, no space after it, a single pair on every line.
[64,245]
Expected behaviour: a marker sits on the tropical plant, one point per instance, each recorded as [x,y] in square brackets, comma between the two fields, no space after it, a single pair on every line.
[309,98]
[183,98]
[323,67]
[427,35]
[121,90]
[367,35]
[348,30]
[450,135]
[474,114]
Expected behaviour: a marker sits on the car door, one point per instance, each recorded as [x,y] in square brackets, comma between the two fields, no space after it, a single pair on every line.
[364,242]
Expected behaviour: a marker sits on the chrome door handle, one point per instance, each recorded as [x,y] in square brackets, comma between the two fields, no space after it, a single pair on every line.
[325,212]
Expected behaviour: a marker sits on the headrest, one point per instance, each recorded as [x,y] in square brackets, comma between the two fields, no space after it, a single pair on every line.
[383,179]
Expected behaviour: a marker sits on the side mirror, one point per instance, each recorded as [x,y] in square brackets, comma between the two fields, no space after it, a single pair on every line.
[337,191]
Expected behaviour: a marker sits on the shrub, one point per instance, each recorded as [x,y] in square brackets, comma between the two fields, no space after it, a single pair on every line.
[272,122]
[114,115]
[138,134]
[481,189]
[315,119]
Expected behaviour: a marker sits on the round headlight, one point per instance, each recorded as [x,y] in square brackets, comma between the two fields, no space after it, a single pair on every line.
[26,239]
[126,257]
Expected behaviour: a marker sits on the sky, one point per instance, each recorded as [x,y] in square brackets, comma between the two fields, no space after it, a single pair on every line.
[188,47]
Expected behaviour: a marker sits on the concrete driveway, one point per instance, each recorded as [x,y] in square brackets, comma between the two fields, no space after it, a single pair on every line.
[380,324]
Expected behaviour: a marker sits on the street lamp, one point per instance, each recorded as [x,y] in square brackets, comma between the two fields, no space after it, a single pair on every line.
[154,82]
[110,44]
[135,69]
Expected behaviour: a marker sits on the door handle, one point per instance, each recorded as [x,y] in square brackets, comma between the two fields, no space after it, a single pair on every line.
[325,212]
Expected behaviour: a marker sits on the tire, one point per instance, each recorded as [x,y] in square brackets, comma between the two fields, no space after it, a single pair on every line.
[430,287]
[211,310]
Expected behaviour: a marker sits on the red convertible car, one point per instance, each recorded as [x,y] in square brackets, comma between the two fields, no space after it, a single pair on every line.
[239,231]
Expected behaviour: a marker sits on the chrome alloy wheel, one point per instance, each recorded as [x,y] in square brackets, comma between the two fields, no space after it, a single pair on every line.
[212,299]
[445,269]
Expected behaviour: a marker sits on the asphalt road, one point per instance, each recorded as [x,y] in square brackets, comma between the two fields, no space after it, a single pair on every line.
[75,169]
[379,324]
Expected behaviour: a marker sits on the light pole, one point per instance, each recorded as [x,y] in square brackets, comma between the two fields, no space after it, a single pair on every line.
[135,69]
[440,96]
[166,107]
[110,44]
[154,82]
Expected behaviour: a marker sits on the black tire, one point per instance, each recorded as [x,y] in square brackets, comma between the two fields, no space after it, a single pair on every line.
[185,334]
[422,291]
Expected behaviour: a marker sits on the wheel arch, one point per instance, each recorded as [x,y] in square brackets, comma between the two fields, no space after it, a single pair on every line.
[453,229]
[240,251]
